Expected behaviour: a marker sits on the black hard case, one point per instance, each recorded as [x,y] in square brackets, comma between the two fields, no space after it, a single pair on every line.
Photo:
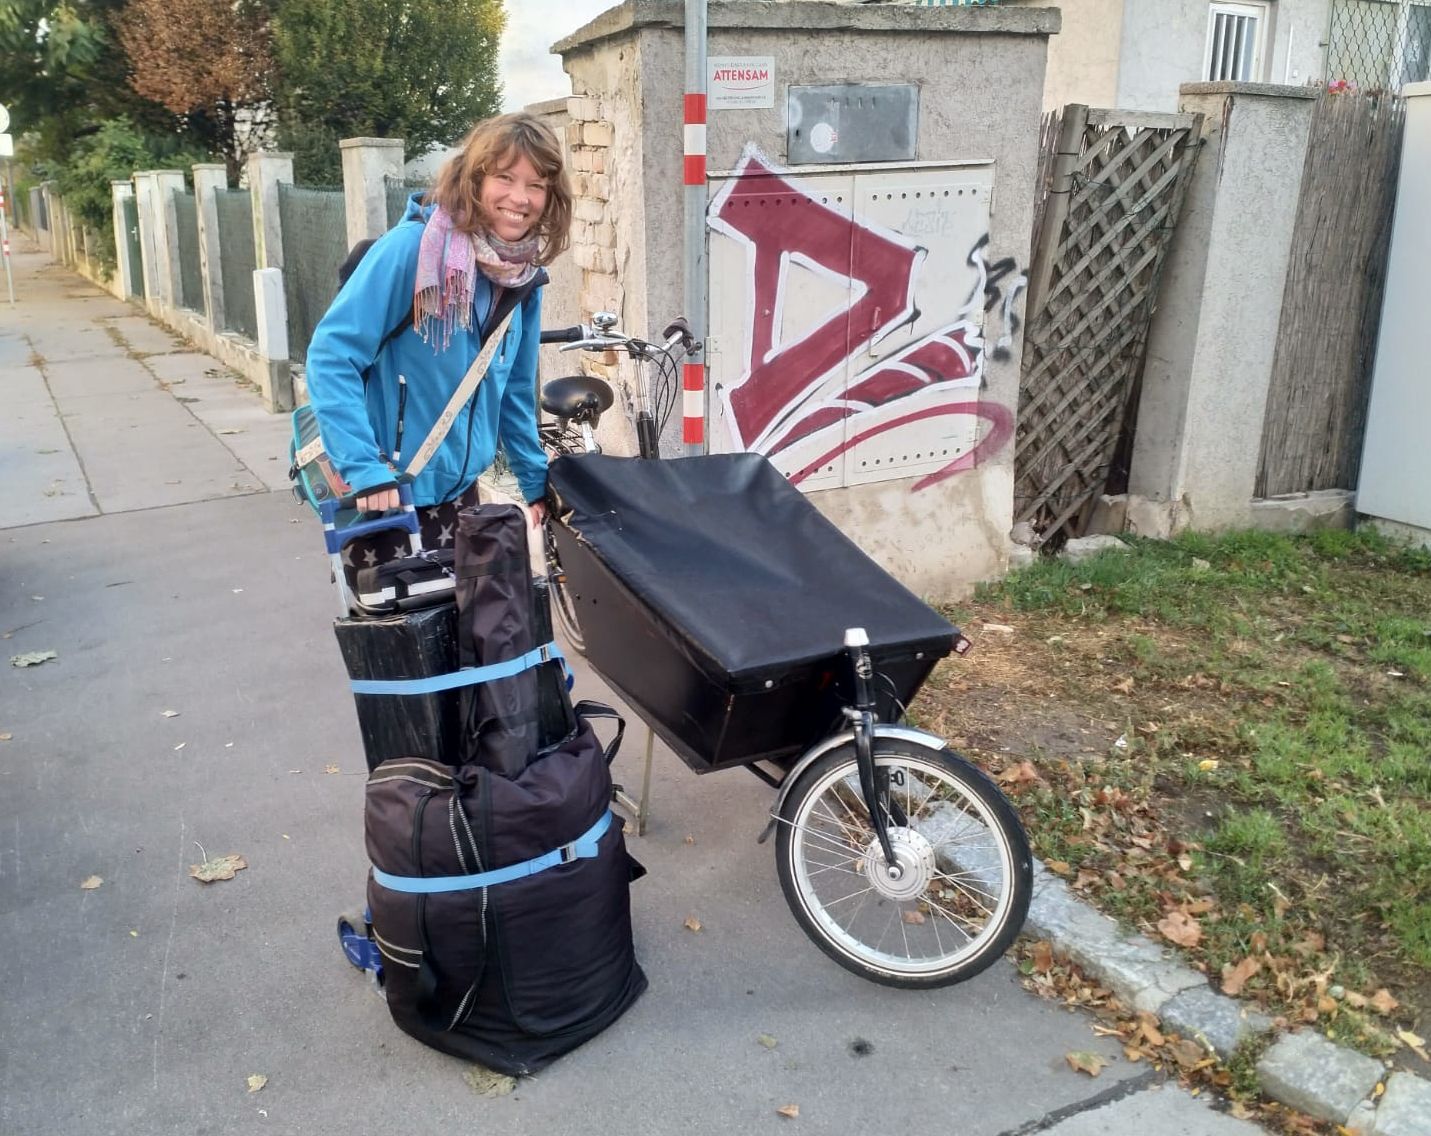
[714,597]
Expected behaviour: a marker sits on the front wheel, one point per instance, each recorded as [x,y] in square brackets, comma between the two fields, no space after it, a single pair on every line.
[958,892]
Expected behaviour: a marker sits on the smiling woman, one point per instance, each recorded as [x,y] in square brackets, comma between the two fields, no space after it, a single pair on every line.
[396,352]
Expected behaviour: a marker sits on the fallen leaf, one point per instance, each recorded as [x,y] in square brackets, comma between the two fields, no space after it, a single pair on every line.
[1188,1053]
[690,839]
[229,431]
[1417,1045]
[1001,628]
[692,923]
[1148,1027]
[33,658]
[488,1082]
[789,1111]
[1234,978]
[1042,956]
[1382,1001]
[170,713]
[1180,928]
[1022,772]
[1124,687]
[1059,867]
[6,737]
[766,1040]
[1208,764]
[256,1081]
[330,768]
[91,883]
[134,934]
[1083,1062]
[913,918]
[180,746]
[219,868]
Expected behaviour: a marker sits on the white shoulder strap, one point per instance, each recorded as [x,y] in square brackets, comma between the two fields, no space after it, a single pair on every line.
[459,397]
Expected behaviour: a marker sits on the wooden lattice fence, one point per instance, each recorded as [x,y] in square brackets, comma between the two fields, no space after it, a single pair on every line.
[1331,305]
[1111,191]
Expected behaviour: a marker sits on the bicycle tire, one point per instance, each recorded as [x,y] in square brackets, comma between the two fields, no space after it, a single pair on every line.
[981,863]
[563,603]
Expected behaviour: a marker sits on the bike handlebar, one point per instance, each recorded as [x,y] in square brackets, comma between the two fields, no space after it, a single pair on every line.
[566,334]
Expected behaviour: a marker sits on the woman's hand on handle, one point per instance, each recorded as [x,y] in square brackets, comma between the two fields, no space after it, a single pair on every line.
[378,501]
[537,510]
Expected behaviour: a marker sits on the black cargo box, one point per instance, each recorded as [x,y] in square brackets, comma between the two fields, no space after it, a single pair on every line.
[714,598]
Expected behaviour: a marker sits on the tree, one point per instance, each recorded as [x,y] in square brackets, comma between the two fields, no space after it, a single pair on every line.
[207,61]
[420,70]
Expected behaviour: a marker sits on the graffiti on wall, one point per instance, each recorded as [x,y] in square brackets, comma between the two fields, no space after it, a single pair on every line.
[884,367]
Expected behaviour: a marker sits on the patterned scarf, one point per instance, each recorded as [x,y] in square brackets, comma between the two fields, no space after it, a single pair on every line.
[446,260]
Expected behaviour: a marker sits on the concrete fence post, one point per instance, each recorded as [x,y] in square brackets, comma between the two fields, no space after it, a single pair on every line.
[271,307]
[210,179]
[166,215]
[265,172]
[121,191]
[367,164]
[1210,348]
[55,244]
[39,217]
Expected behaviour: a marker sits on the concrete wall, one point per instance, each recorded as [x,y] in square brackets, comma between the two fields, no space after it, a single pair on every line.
[1210,348]
[980,73]
[1134,54]
[1396,461]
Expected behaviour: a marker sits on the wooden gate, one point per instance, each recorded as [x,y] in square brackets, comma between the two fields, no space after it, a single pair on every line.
[1111,188]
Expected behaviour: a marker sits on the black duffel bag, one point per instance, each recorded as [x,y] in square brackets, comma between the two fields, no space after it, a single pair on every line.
[501,904]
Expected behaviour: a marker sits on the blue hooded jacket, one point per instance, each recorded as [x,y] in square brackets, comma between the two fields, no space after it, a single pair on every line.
[358,421]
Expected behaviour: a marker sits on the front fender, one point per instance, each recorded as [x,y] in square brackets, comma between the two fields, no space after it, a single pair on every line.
[834,741]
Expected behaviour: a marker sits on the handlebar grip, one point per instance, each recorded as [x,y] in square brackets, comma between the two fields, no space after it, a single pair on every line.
[563,335]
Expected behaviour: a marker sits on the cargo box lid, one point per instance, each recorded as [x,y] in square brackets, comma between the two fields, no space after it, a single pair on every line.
[727,552]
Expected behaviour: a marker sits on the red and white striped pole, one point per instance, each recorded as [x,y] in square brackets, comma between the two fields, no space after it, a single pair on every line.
[693,374]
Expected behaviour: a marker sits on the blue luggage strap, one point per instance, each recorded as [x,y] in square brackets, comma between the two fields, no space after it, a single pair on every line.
[584,847]
[467,676]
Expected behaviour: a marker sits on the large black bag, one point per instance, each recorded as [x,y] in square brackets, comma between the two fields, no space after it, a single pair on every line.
[516,972]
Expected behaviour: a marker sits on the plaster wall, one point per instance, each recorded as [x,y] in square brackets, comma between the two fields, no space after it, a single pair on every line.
[1164,44]
[980,73]
[1083,57]
[1212,340]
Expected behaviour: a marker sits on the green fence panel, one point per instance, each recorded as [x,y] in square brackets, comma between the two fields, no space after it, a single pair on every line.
[398,193]
[129,209]
[237,259]
[315,243]
[191,280]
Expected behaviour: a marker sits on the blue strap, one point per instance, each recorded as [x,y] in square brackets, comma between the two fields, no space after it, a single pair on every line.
[582,848]
[467,676]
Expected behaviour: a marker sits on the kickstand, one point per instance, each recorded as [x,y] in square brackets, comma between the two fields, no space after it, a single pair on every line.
[640,810]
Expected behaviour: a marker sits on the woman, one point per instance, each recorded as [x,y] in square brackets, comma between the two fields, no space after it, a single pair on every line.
[465,254]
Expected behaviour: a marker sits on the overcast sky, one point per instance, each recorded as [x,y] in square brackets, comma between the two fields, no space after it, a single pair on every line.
[529,73]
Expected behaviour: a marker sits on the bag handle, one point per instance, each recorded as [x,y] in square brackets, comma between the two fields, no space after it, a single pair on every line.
[454,405]
[586,708]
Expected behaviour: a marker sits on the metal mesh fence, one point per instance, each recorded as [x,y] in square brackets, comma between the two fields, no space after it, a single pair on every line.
[134,285]
[315,243]
[1378,45]
[237,259]
[398,193]
[191,281]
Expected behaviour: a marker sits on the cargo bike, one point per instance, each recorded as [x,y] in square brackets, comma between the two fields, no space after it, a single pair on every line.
[746,630]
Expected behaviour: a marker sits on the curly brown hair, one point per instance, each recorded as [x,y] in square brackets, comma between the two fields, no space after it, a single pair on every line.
[492,145]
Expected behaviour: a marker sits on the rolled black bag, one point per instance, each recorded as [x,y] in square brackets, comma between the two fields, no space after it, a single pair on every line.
[498,623]
[501,905]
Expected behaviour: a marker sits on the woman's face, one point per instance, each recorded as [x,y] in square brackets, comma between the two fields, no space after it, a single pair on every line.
[513,198]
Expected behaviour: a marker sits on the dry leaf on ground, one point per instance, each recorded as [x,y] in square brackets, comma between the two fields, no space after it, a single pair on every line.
[1019,774]
[1382,1001]
[33,658]
[488,1082]
[91,883]
[1042,956]
[766,1040]
[1416,1044]
[6,737]
[692,923]
[330,768]
[170,713]
[789,1111]
[256,1081]
[1234,978]
[913,918]
[219,868]
[1181,928]
[1083,1062]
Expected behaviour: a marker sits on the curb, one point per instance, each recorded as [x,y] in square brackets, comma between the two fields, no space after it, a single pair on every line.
[1303,1070]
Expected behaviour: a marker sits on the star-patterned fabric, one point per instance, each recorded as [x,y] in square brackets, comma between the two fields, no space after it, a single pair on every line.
[439,529]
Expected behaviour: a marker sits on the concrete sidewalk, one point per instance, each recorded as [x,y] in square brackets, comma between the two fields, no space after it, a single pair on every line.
[150,542]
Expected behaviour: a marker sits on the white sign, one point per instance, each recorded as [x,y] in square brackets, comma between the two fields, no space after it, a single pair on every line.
[740,82]
[7,146]
[4,119]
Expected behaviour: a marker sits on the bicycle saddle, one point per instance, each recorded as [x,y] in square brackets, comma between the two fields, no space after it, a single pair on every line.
[576,396]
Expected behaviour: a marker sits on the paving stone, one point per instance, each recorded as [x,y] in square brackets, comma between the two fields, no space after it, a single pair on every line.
[1220,1021]
[1322,1079]
[1165,1110]
[1134,968]
[1405,1107]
